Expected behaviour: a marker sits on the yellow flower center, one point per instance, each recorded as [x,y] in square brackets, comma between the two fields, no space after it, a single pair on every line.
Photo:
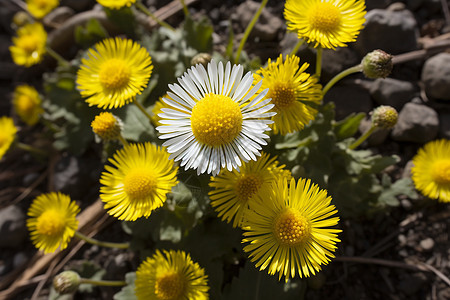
[114,74]
[25,104]
[106,126]
[247,186]
[282,94]
[216,120]
[170,287]
[325,17]
[441,171]
[50,223]
[139,184]
[29,43]
[291,228]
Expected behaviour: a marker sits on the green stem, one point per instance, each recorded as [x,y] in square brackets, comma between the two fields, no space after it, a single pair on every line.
[102,282]
[351,70]
[100,243]
[123,140]
[185,9]
[249,29]
[149,13]
[57,57]
[258,283]
[297,46]
[362,138]
[31,149]
[143,110]
[319,62]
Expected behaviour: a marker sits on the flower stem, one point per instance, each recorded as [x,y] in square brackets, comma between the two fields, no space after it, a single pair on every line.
[143,110]
[297,46]
[185,9]
[319,62]
[102,282]
[57,57]
[249,29]
[31,149]
[351,70]
[362,138]
[151,15]
[122,140]
[100,243]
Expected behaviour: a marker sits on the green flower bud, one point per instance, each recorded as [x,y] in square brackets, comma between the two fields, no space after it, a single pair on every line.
[384,116]
[201,58]
[21,18]
[66,282]
[377,64]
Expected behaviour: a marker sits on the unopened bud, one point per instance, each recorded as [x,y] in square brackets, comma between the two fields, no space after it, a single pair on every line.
[66,282]
[21,18]
[201,58]
[377,64]
[107,126]
[384,117]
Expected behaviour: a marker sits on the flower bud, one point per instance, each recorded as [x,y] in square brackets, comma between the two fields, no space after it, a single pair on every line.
[107,126]
[384,116]
[377,64]
[66,282]
[201,58]
[21,18]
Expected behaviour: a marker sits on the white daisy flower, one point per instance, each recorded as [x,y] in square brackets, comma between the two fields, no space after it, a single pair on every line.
[214,120]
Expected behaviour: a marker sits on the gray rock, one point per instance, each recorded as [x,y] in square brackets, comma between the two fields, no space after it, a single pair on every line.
[391,31]
[335,61]
[427,244]
[268,25]
[416,123]
[13,230]
[444,125]
[407,170]
[58,16]
[393,92]
[436,76]
[349,98]
[288,42]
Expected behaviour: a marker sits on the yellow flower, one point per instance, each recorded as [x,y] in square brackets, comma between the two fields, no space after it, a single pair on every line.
[7,134]
[114,73]
[431,170]
[27,104]
[291,90]
[116,4]
[288,231]
[29,45]
[139,181]
[171,275]
[325,23]
[52,221]
[234,191]
[106,126]
[40,8]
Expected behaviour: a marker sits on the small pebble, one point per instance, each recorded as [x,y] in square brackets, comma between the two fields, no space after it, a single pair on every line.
[427,244]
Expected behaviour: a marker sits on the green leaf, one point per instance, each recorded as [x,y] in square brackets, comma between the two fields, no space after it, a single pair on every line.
[136,126]
[229,49]
[198,34]
[349,126]
[127,292]
[89,34]
[123,18]
[404,186]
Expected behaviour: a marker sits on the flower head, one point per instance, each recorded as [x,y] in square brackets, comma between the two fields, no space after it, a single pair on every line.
[139,181]
[288,230]
[171,275]
[431,170]
[325,23]
[40,8]
[292,91]
[106,126]
[116,4]
[7,134]
[377,64]
[234,191]
[27,104]
[29,45]
[211,123]
[66,282]
[52,221]
[384,116]
[115,71]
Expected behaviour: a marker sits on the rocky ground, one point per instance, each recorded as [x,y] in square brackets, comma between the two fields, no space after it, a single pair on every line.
[403,253]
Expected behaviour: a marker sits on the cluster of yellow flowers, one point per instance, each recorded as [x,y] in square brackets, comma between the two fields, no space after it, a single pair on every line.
[215,120]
